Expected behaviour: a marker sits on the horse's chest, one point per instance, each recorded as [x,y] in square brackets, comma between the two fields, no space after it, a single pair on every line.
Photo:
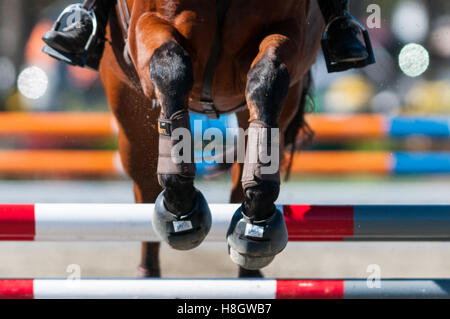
[244,21]
[239,29]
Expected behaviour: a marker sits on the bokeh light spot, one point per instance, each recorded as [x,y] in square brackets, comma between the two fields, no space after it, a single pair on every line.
[414,60]
[32,83]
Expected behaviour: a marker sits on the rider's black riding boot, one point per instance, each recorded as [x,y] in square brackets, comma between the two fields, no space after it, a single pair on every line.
[73,39]
[343,48]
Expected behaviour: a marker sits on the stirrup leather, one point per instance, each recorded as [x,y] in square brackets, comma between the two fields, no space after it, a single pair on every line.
[78,59]
[334,66]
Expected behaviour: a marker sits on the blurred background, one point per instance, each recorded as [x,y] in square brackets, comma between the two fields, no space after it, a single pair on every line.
[381,88]
[390,87]
[411,78]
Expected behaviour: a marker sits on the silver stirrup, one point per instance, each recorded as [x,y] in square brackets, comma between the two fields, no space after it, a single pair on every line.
[343,66]
[70,13]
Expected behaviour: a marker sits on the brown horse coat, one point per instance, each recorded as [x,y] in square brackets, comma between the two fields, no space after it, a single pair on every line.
[289,30]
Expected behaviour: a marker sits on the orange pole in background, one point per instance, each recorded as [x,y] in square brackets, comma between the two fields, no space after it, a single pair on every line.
[352,126]
[60,162]
[340,162]
[57,124]
[103,124]
[326,126]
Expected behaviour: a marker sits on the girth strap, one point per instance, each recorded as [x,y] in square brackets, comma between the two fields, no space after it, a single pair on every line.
[207,99]
[124,13]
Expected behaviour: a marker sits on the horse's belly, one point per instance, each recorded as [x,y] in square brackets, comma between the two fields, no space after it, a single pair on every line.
[240,45]
[228,87]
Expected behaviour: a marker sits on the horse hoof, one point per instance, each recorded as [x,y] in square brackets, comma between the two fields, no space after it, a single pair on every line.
[253,246]
[143,272]
[185,232]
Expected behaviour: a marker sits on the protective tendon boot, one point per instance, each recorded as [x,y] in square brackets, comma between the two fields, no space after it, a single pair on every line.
[252,243]
[189,230]
[341,46]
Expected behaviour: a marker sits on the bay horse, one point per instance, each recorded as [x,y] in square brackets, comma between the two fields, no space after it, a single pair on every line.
[165,57]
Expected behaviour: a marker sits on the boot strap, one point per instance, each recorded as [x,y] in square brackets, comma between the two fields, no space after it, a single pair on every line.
[259,144]
[168,163]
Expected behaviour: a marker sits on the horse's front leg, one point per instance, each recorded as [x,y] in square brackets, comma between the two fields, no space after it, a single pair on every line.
[258,231]
[182,217]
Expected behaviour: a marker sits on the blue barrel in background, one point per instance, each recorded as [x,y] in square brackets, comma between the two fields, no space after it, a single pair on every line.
[432,126]
[421,163]
[210,169]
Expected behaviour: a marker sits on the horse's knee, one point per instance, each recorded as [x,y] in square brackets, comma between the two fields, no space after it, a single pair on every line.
[259,200]
[172,75]
[267,88]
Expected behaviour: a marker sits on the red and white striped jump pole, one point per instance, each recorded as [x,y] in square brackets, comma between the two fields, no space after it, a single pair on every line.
[221,289]
[116,222]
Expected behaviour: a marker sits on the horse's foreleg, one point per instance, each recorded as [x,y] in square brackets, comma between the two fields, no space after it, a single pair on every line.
[182,217]
[150,264]
[137,146]
[172,76]
[139,157]
[237,193]
[258,232]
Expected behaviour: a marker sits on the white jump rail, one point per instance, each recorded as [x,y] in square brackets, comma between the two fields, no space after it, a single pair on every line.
[222,289]
[123,222]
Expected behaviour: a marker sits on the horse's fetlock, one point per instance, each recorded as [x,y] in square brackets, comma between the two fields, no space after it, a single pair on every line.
[176,182]
[179,193]
[259,200]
